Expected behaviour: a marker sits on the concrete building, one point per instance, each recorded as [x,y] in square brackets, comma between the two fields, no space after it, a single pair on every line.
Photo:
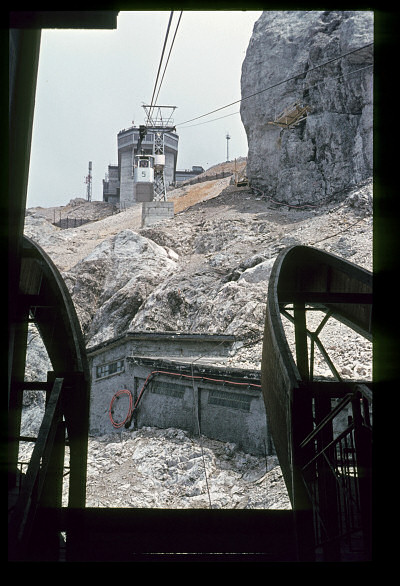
[111,185]
[177,380]
[187,174]
[119,186]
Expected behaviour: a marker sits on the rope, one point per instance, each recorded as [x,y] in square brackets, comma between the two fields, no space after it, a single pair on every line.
[196,412]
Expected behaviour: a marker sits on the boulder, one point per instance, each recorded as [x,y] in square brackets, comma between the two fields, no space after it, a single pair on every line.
[110,284]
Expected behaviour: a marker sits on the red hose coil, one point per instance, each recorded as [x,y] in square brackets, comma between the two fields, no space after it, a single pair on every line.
[118,394]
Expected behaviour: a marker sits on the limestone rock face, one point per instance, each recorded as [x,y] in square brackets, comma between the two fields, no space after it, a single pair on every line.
[331,150]
[110,285]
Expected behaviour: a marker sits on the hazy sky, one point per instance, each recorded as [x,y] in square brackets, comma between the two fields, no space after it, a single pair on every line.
[92,84]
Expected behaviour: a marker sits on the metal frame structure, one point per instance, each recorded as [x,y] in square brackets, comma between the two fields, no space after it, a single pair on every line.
[159,117]
[159,121]
[88,181]
[44,300]
[321,472]
[160,191]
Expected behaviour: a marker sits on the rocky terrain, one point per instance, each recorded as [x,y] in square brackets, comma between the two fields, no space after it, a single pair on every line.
[167,468]
[206,269]
[77,211]
[331,150]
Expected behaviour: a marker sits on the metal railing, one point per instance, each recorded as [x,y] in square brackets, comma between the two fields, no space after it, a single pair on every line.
[338,478]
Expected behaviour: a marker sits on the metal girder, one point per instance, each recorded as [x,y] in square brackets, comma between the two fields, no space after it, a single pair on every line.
[308,371]
[325,297]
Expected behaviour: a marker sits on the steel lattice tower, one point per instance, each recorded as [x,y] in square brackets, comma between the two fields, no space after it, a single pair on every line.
[159,121]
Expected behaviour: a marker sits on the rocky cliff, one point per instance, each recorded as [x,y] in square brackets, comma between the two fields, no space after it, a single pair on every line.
[331,149]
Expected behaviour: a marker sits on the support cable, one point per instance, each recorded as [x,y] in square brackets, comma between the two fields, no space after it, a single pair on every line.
[278,83]
[304,89]
[169,54]
[161,60]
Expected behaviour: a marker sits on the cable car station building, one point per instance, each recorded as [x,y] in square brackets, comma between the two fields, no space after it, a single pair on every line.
[120,187]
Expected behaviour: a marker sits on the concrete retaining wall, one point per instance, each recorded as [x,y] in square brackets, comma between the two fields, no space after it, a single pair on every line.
[156,211]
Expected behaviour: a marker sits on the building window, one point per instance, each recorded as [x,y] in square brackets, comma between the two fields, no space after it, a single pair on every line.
[233,400]
[168,389]
[109,369]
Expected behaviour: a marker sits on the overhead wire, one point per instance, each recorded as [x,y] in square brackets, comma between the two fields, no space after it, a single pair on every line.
[323,81]
[277,84]
[169,54]
[161,61]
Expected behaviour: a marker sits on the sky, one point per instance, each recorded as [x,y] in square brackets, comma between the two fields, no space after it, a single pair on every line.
[93,83]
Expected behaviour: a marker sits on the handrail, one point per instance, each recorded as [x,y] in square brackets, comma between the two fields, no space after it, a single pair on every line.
[330,445]
[343,403]
[345,460]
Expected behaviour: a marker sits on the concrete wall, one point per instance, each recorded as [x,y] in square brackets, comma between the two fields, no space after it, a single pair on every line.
[224,411]
[126,171]
[165,344]
[156,211]
[170,165]
[111,185]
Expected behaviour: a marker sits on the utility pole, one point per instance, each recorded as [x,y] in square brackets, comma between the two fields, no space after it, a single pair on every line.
[227,145]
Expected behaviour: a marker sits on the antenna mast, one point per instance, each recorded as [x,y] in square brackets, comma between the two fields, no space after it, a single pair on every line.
[88,182]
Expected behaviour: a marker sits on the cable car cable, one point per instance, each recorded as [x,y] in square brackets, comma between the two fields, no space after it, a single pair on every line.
[169,54]
[323,81]
[277,84]
[161,60]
